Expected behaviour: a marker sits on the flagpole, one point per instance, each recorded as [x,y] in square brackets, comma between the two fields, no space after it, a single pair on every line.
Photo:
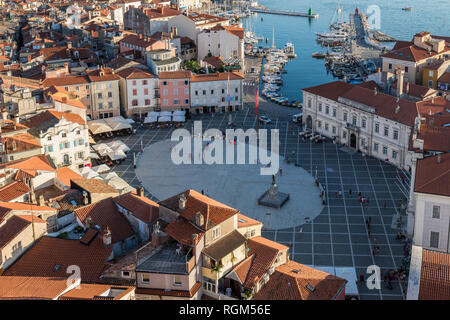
[256,110]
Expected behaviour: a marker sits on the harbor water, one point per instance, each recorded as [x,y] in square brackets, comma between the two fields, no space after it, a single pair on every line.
[305,71]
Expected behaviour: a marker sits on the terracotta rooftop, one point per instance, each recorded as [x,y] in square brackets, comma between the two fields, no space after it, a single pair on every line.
[435,276]
[433,175]
[105,213]
[91,291]
[244,221]
[265,252]
[31,287]
[13,191]
[94,186]
[45,120]
[174,75]
[172,293]
[213,211]
[135,73]
[50,257]
[142,208]
[445,78]
[412,52]
[182,231]
[218,76]
[65,81]
[11,229]
[295,281]
[65,174]
[96,76]
[19,143]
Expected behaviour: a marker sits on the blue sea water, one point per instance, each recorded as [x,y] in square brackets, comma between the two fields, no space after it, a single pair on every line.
[305,71]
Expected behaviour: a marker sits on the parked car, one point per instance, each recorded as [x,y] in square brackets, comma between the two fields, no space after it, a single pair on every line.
[264,119]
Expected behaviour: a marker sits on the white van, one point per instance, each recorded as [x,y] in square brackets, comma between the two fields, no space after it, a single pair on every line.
[297,117]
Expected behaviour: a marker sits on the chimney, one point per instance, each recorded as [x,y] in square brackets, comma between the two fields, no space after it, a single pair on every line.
[33,196]
[194,237]
[41,200]
[69,44]
[439,158]
[397,109]
[407,88]
[64,99]
[182,202]
[107,238]
[29,57]
[88,223]
[4,114]
[140,191]
[400,76]
[85,198]
[375,91]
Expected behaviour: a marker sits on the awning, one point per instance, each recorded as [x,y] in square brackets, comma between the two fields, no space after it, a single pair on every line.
[150,119]
[93,155]
[117,155]
[179,113]
[165,113]
[153,114]
[118,145]
[164,119]
[117,123]
[91,140]
[101,168]
[98,126]
[130,121]
[179,119]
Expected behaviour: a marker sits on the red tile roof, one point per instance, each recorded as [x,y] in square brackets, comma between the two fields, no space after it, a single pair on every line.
[244,221]
[214,212]
[43,258]
[182,231]
[435,276]
[93,291]
[174,75]
[96,76]
[65,174]
[106,214]
[19,143]
[295,281]
[172,293]
[11,229]
[65,81]
[42,117]
[412,52]
[30,165]
[142,208]
[265,252]
[13,191]
[94,185]
[135,73]
[445,78]
[218,76]
[25,287]
[433,177]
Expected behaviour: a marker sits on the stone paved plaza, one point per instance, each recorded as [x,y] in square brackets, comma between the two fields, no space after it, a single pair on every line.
[337,236]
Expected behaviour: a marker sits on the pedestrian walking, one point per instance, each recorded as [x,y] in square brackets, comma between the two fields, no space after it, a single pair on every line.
[350,192]
[361,277]
[359,194]
[203,192]
[375,241]
[281,172]
[340,194]
[370,220]
[385,205]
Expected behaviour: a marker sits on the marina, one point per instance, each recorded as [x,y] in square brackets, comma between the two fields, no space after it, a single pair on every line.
[310,13]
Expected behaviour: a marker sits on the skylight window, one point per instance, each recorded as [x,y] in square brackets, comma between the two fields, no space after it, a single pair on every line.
[310,287]
[242,220]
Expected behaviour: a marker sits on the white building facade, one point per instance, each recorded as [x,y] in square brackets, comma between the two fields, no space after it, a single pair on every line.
[209,92]
[220,42]
[67,144]
[359,126]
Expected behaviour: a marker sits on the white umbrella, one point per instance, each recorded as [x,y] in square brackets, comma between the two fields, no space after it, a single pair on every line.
[166,113]
[101,168]
[93,155]
[179,118]
[153,114]
[150,119]
[179,113]
[109,175]
[117,155]
[164,119]
[118,145]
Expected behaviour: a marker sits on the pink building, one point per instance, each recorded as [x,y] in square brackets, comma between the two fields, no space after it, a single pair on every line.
[174,90]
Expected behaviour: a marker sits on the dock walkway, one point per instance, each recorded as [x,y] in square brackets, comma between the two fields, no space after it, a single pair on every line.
[284,12]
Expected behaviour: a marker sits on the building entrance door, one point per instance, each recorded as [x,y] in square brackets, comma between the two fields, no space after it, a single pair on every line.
[353,141]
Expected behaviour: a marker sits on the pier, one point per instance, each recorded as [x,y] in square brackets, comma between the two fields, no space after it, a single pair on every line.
[285,12]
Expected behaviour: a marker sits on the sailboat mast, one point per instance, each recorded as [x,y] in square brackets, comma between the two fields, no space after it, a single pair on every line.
[273,37]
